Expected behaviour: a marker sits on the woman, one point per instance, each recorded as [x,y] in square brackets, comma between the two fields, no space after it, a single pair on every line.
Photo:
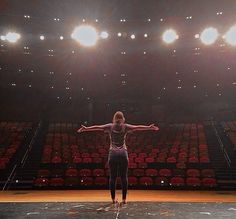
[118,156]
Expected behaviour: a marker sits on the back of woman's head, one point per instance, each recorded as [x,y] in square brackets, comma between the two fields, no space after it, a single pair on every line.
[118,117]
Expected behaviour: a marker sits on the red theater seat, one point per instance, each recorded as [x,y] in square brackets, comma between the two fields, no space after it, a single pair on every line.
[177,181]
[146,181]
[165,172]
[209,182]
[85,172]
[41,182]
[151,172]
[132,181]
[71,172]
[98,172]
[193,173]
[193,182]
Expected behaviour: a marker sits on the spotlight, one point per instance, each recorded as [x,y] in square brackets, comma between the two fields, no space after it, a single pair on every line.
[230,36]
[42,37]
[12,37]
[61,37]
[169,36]
[3,38]
[132,36]
[145,35]
[104,35]
[119,34]
[86,35]
[209,36]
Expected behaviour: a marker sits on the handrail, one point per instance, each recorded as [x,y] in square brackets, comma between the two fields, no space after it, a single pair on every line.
[221,144]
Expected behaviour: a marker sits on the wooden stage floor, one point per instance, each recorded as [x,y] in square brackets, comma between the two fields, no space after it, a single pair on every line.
[104,196]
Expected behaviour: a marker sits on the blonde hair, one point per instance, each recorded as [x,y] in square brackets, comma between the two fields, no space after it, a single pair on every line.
[118,117]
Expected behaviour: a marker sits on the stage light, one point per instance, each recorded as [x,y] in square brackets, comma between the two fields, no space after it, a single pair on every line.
[104,35]
[209,36]
[119,34]
[86,35]
[42,37]
[132,36]
[3,38]
[12,37]
[230,36]
[169,36]
[145,35]
[61,37]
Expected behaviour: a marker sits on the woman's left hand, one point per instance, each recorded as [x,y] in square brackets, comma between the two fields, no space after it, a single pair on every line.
[83,128]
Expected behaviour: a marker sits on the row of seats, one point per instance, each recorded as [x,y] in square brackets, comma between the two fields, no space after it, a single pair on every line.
[204,173]
[132,181]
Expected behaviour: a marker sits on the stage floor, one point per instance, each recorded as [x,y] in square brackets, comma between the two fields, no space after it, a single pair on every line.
[142,204]
[104,196]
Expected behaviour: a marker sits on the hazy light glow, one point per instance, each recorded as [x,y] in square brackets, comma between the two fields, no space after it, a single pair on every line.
[86,35]
[209,36]
[132,36]
[42,37]
[12,37]
[169,36]
[119,34]
[104,35]
[230,36]
[3,37]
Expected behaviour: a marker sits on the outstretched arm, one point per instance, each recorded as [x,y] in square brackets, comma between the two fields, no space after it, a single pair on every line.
[93,128]
[142,127]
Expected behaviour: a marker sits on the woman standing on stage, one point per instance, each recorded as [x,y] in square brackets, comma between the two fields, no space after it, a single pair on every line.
[118,155]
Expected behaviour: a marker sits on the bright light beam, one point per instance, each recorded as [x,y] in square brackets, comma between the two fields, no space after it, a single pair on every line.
[12,37]
[169,36]
[230,36]
[86,35]
[209,36]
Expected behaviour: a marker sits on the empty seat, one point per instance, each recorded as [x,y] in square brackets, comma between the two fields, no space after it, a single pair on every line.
[71,181]
[193,173]
[151,172]
[193,182]
[85,172]
[177,181]
[98,172]
[209,182]
[132,181]
[71,172]
[165,172]
[146,181]
[41,182]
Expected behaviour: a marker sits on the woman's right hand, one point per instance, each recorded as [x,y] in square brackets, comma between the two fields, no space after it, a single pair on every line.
[153,127]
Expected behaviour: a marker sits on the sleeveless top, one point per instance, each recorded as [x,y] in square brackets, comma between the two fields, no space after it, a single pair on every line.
[117,136]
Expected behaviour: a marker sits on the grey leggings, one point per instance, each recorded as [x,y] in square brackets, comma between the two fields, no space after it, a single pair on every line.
[118,161]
